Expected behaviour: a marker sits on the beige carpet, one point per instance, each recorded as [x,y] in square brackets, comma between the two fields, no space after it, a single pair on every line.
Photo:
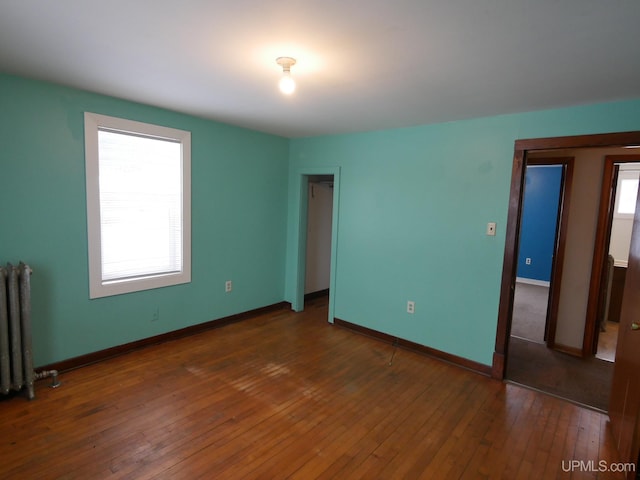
[529,312]
[585,381]
[531,363]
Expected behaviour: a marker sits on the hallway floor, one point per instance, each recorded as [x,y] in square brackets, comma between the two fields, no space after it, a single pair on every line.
[531,363]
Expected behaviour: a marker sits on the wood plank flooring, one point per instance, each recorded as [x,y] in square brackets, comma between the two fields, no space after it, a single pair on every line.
[287,395]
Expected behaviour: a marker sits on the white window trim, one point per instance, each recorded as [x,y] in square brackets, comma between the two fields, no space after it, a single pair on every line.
[98,288]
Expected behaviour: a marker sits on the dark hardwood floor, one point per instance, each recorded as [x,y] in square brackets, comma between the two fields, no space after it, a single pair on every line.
[287,395]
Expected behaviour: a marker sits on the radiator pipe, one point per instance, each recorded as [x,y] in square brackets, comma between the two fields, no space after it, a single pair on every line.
[55,383]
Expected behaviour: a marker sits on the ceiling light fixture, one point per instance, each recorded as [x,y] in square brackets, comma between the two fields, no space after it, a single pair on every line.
[287,84]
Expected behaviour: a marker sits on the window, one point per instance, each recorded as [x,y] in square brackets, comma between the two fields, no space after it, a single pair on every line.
[138,205]
[626,194]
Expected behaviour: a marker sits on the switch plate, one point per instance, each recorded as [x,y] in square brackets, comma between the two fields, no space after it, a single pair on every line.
[491,228]
[228,286]
[411,307]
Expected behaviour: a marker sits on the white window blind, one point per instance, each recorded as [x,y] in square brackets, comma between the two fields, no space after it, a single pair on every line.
[140,205]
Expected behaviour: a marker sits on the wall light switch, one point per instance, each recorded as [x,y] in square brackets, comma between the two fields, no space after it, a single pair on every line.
[491,228]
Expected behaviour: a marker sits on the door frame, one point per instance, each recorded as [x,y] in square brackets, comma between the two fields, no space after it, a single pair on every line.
[601,247]
[301,205]
[560,240]
[510,261]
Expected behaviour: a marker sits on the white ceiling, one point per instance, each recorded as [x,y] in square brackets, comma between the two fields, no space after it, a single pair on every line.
[362,64]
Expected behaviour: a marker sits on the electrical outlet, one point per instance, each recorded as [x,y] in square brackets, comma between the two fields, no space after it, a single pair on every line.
[491,229]
[228,286]
[411,307]
[527,261]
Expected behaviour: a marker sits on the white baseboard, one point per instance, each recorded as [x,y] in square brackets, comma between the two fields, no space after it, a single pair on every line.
[532,281]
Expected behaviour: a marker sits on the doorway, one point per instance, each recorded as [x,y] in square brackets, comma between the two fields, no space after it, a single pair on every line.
[576,342]
[522,148]
[318,250]
[300,210]
[575,374]
[547,190]
[567,211]
[617,212]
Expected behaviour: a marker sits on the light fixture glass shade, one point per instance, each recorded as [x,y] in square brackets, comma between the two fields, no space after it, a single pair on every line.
[287,84]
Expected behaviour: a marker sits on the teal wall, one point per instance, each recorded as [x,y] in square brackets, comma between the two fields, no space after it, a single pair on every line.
[414,204]
[412,212]
[239,215]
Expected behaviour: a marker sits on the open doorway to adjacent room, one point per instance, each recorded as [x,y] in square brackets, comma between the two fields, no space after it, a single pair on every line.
[315,210]
[547,188]
[563,333]
[620,205]
[319,234]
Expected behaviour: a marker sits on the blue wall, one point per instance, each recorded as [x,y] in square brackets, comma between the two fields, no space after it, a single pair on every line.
[239,214]
[539,220]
